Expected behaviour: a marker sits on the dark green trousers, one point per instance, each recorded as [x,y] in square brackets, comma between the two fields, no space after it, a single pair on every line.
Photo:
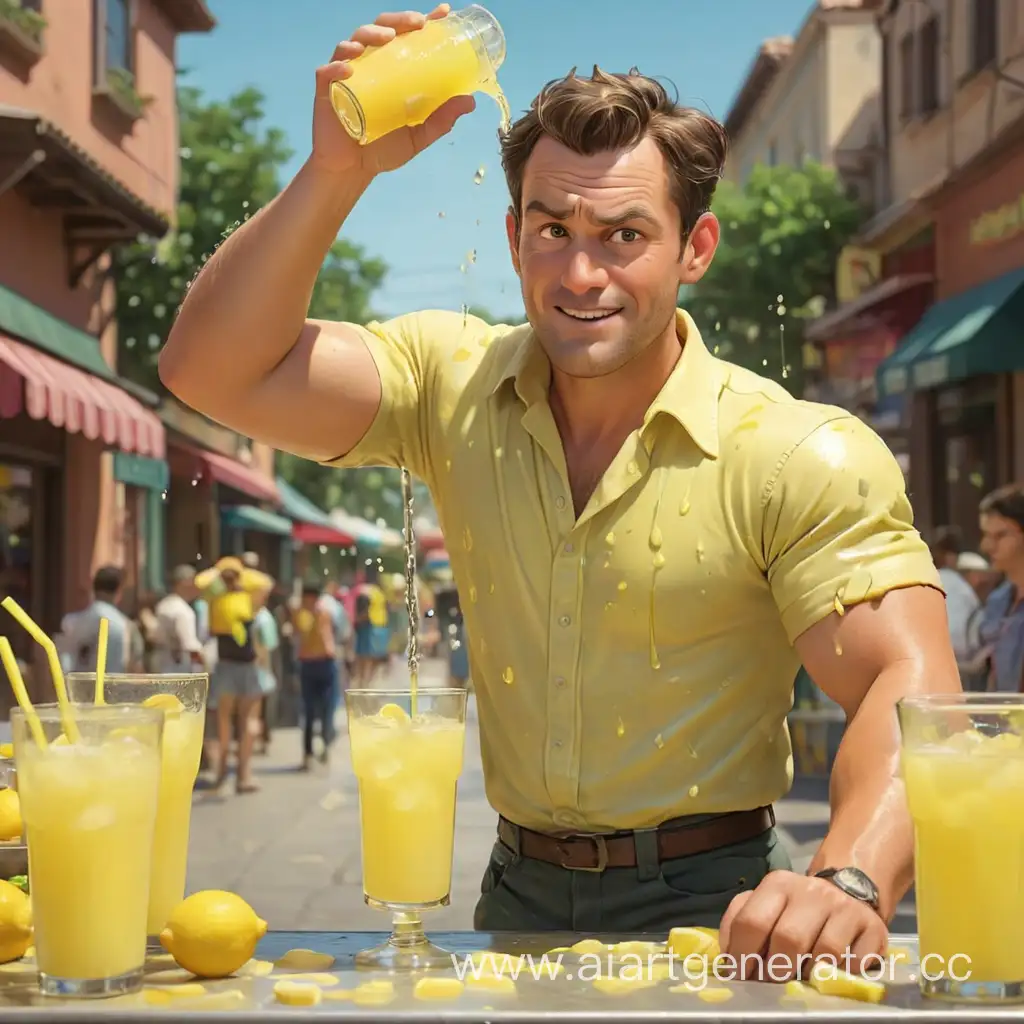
[519,894]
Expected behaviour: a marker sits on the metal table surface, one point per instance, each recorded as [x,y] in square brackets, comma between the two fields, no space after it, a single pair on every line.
[535,1000]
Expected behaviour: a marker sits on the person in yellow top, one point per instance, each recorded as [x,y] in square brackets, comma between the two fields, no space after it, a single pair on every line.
[372,632]
[233,593]
[317,652]
[649,541]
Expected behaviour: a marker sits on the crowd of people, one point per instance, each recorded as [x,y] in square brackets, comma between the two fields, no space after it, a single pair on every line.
[261,643]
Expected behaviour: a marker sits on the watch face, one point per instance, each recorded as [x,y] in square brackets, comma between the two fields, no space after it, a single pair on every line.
[857,883]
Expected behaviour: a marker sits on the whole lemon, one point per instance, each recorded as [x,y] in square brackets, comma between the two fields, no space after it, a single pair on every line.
[212,933]
[10,815]
[15,922]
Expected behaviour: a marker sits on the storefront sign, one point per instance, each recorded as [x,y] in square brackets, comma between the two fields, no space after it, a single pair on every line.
[1000,224]
[137,471]
[856,271]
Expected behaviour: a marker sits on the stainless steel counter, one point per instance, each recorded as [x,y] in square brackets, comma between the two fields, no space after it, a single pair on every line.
[535,1000]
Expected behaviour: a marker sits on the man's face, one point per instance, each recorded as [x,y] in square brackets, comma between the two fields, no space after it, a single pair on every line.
[231,579]
[600,254]
[1002,541]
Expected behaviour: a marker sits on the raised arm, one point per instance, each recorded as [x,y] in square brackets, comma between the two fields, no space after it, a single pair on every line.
[241,350]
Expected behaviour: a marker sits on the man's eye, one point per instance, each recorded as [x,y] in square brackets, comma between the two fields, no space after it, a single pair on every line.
[626,235]
[553,231]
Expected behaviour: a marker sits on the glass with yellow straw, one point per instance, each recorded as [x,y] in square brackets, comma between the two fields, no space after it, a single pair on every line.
[88,779]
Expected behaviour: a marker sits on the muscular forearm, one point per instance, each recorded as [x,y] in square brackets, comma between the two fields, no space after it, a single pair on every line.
[870,825]
[248,306]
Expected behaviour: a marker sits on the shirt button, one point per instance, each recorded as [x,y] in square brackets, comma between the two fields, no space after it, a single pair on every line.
[565,621]
[559,681]
[568,549]
[560,503]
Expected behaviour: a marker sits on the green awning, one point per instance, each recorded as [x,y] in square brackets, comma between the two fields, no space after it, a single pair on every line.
[249,517]
[299,507]
[139,471]
[975,333]
[24,319]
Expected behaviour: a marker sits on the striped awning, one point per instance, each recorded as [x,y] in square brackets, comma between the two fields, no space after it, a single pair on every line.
[79,402]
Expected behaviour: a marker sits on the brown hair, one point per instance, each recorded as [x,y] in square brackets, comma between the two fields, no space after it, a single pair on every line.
[1007,501]
[611,112]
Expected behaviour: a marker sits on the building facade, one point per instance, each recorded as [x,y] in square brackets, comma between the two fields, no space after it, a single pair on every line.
[88,159]
[813,97]
[955,114]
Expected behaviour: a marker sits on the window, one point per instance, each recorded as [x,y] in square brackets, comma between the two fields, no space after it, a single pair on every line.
[984,34]
[117,35]
[929,66]
[32,5]
[906,76]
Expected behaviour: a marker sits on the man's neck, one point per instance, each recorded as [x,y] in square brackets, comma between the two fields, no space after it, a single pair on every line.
[588,409]
[1016,578]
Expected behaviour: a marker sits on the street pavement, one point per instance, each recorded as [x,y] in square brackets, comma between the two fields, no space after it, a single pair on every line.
[292,849]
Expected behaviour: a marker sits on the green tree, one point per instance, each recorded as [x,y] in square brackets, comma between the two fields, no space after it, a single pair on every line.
[775,266]
[228,170]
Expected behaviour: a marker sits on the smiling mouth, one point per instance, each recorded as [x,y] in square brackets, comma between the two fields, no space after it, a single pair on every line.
[589,315]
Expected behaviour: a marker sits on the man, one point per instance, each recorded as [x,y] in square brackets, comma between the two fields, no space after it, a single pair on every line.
[318,671]
[233,593]
[1001,631]
[80,630]
[650,540]
[179,647]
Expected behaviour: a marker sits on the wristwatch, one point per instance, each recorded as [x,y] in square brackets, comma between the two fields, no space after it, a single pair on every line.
[853,882]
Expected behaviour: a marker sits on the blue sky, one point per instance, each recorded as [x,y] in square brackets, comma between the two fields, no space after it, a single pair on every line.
[703,47]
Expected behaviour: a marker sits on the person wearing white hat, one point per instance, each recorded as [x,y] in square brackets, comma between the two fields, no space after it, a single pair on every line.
[962,600]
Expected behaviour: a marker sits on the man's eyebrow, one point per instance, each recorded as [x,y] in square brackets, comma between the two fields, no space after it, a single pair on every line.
[608,220]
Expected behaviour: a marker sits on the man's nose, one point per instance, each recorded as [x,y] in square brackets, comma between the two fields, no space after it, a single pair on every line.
[582,274]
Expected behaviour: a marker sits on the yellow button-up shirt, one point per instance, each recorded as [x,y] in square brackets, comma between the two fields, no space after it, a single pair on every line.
[636,663]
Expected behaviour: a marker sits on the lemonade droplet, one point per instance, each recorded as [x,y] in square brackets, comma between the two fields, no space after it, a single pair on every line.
[508,675]
[659,560]
[620,729]
[472,595]
[610,538]
[684,509]
[467,539]
[656,538]
[622,585]
[694,790]
[658,741]
[838,606]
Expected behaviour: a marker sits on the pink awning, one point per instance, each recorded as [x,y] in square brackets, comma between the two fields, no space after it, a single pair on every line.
[197,463]
[313,533]
[70,398]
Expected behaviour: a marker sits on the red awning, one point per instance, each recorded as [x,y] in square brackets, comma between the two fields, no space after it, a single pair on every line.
[186,460]
[845,316]
[311,533]
[75,400]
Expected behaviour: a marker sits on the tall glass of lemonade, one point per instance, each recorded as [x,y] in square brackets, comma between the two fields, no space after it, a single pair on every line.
[89,809]
[407,757]
[182,700]
[401,83]
[963,767]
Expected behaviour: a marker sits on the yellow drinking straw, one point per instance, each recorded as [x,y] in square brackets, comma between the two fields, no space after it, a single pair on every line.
[101,660]
[21,694]
[66,717]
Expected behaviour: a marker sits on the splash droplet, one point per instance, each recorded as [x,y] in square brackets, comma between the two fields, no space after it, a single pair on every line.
[659,560]
[472,595]
[658,741]
[508,676]
[632,468]
[479,176]
[461,355]
[684,509]
[691,750]
[467,539]
[609,539]
[838,605]
[471,256]
[620,729]
[839,648]
[622,585]
[498,452]
[442,214]
[609,605]
[700,551]
[694,790]
[448,464]
[656,538]
[490,589]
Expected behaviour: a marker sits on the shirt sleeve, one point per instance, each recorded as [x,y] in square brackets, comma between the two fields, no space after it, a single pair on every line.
[838,526]
[185,625]
[409,354]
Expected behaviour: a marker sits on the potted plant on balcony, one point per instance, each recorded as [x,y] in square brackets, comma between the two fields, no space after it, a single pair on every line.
[21,30]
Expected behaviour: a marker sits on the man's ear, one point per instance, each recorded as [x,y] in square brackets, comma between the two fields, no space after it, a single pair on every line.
[512,231]
[700,249]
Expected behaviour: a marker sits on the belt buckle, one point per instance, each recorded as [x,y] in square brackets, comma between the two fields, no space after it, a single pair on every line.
[600,846]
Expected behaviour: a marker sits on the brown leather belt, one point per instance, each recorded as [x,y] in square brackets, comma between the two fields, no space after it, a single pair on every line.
[618,850]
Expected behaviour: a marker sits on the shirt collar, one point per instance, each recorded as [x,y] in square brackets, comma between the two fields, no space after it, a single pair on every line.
[689,396]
